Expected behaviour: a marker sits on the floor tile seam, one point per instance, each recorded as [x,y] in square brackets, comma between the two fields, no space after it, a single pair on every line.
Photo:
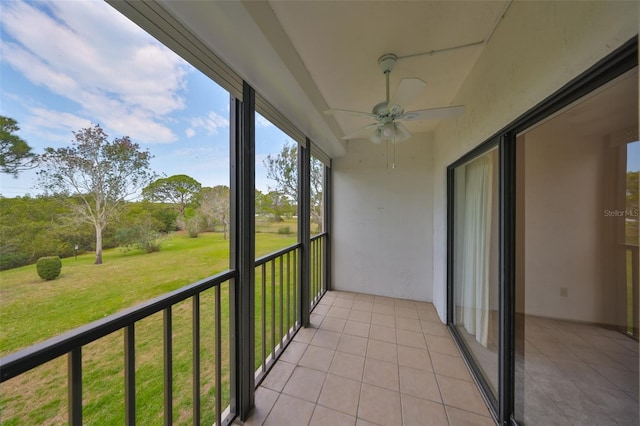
[270,409]
[324,382]
[437,381]
[402,395]
[360,398]
[441,402]
[333,408]
[476,387]
[399,386]
[355,320]
[446,406]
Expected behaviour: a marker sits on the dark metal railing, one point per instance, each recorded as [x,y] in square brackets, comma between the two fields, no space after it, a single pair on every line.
[277,318]
[71,343]
[317,262]
[276,307]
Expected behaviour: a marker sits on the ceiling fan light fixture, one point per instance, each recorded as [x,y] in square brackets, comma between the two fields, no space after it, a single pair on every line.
[376,138]
[389,130]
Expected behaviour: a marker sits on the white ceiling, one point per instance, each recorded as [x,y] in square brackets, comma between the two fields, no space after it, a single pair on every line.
[308,56]
[340,43]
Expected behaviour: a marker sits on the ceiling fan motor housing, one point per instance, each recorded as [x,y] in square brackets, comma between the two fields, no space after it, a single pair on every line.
[387,62]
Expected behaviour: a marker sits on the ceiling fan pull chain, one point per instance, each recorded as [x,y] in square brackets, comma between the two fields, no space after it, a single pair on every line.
[386,152]
[393,161]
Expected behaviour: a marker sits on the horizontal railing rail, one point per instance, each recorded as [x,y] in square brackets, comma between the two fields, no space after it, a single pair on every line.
[72,343]
[277,305]
[271,256]
[276,293]
[23,360]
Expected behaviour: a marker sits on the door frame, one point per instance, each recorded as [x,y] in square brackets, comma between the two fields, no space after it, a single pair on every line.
[502,406]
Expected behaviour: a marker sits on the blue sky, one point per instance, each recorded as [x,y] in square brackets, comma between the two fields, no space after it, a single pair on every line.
[633,156]
[87,64]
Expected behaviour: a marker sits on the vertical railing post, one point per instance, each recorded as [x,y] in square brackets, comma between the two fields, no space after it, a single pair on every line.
[168,366]
[304,231]
[263,316]
[195,319]
[242,141]
[273,310]
[288,295]
[130,375]
[75,386]
[218,341]
[281,310]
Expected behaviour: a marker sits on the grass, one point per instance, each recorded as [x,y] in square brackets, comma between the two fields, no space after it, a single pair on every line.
[32,310]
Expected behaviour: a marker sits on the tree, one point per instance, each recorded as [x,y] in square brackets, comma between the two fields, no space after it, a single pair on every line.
[103,175]
[283,170]
[180,190]
[15,153]
[274,203]
[214,207]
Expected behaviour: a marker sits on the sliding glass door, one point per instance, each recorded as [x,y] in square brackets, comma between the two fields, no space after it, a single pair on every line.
[475,271]
[542,231]
[577,232]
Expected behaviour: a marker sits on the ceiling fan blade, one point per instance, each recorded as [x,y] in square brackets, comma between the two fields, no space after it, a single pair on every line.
[361,132]
[407,90]
[349,112]
[402,133]
[433,113]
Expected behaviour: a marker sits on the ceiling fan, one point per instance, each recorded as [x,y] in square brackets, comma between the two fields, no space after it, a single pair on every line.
[387,114]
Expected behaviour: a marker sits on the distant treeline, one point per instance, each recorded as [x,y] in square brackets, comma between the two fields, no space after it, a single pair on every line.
[43,226]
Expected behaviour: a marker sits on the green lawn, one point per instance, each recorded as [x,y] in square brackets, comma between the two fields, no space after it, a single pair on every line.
[32,310]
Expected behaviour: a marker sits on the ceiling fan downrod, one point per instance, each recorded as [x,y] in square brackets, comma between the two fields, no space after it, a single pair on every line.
[386,63]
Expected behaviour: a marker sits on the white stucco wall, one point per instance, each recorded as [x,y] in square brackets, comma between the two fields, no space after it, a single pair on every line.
[564,176]
[536,49]
[382,219]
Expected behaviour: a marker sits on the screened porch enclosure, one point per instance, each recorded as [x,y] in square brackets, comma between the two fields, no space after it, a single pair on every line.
[400,305]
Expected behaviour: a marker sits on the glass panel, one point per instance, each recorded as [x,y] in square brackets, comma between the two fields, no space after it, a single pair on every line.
[317,197]
[276,188]
[475,276]
[135,176]
[577,250]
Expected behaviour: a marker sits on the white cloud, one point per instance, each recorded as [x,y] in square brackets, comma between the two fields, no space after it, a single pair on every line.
[190,132]
[210,123]
[55,120]
[88,53]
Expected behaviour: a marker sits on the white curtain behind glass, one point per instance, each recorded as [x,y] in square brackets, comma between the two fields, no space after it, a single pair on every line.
[473,230]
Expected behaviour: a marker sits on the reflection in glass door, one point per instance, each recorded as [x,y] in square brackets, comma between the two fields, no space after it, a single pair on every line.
[576,238]
[475,269]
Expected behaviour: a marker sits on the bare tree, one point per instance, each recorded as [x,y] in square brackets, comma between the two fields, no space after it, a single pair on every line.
[282,168]
[214,207]
[103,175]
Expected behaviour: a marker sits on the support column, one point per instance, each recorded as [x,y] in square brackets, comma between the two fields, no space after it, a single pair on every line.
[304,232]
[327,195]
[243,252]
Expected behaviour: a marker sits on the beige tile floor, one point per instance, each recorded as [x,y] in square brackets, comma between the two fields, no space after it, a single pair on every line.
[370,360]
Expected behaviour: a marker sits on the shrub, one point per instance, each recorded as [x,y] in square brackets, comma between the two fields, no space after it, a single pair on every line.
[139,236]
[13,260]
[285,230]
[49,267]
